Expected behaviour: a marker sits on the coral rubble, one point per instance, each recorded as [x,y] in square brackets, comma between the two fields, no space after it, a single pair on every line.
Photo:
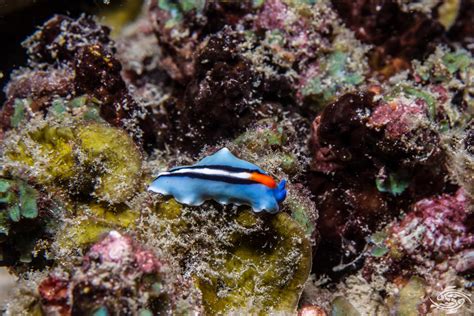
[113,267]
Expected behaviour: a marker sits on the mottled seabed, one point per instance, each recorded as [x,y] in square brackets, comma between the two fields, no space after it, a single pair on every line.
[366,108]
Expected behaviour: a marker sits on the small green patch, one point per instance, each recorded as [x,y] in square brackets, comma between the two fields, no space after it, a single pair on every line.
[257,3]
[14,213]
[4,185]
[18,200]
[428,98]
[378,240]
[379,251]
[101,311]
[58,107]
[28,197]
[456,61]
[378,237]
[334,74]
[395,183]
[19,112]
[177,8]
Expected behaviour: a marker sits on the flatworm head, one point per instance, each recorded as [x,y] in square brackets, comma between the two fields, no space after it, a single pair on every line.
[224,178]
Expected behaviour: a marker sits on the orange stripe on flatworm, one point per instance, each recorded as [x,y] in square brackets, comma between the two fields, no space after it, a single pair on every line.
[263,179]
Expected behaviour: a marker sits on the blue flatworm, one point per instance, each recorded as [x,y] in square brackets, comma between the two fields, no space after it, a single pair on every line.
[224,178]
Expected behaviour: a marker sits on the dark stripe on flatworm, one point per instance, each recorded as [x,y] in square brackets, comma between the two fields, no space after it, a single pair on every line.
[218,167]
[211,177]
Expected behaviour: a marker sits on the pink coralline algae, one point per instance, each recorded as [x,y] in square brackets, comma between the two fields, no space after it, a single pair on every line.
[300,38]
[436,227]
[273,15]
[54,293]
[398,118]
[115,248]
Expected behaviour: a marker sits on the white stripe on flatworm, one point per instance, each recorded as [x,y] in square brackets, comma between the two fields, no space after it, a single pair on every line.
[211,172]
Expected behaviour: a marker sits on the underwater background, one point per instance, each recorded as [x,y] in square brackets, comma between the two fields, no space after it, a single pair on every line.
[365,107]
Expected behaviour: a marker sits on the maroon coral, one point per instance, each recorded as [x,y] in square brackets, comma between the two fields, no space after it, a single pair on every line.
[340,135]
[61,37]
[355,141]
[220,101]
[80,60]
[358,132]
[180,41]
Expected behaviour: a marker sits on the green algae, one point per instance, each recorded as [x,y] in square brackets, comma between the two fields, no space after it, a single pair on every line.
[333,68]
[177,9]
[17,200]
[266,134]
[395,183]
[24,229]
[378,241]
[300,213]
[456,61]
[428,98]
[83,107]
[19,112]
[270,140]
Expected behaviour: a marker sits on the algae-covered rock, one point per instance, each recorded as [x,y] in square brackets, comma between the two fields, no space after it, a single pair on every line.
[262,272]
[241,261]
[82,157]
[92,221]
[333,74]
[272,142]
[411,296]
[303,212]
[342,307]
[119,160]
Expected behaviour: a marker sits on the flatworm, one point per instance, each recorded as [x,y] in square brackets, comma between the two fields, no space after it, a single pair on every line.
[224,178]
